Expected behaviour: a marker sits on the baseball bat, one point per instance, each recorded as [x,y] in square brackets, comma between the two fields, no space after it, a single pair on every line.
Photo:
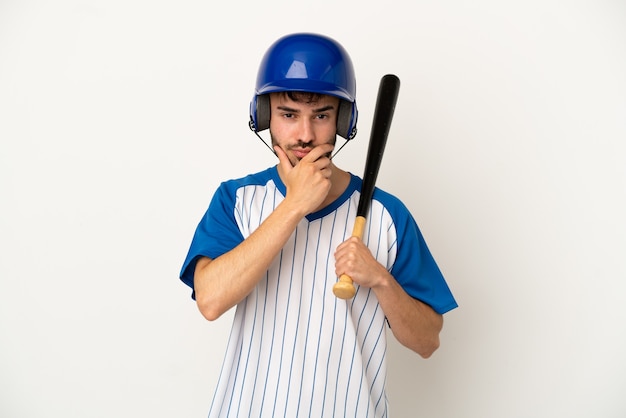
[383,115]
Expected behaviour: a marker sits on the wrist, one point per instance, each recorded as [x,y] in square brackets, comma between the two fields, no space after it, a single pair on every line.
[290,210]
[383,279]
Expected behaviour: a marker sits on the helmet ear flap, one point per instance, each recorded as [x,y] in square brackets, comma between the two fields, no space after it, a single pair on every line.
[260,113]
[346,119]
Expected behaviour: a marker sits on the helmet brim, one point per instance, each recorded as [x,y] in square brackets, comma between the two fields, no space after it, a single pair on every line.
[305,85]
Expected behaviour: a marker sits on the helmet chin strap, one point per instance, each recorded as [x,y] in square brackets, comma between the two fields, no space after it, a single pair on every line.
[340,148]
[251,125]
[266,144]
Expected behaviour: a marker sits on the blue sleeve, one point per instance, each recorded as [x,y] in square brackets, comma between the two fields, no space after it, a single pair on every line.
[216,234]
[415,268]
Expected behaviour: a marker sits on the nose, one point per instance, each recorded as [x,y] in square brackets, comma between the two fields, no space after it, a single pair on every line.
[306,132]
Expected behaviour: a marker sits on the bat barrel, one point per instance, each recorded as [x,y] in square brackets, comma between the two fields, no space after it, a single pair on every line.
[383,115]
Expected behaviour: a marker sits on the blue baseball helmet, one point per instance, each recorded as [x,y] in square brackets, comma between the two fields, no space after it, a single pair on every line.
[306,62]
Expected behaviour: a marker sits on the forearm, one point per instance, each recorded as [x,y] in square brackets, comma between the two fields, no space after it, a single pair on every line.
[223,282]
[414,324]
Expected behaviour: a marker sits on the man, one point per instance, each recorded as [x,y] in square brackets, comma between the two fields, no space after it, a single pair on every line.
[273,244]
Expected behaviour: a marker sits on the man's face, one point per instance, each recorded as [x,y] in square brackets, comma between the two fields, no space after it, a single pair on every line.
[299,125]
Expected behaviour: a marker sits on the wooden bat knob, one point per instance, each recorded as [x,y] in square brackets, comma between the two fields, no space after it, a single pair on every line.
[344,289]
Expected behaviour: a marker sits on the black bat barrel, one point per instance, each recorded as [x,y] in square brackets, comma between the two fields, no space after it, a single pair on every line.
[383,115]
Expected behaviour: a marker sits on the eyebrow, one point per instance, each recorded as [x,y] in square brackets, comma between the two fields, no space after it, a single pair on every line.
[318,110]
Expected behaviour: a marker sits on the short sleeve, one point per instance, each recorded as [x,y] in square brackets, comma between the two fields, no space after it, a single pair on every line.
[216,233]
[414,266]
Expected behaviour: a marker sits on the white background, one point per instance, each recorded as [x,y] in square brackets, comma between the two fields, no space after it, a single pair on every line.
[119,118]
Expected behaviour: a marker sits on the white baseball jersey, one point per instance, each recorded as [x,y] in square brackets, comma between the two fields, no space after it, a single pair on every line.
[295,349]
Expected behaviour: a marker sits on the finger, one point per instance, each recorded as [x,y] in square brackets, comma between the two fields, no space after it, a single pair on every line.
[282,158]
[318,152]
[349,244]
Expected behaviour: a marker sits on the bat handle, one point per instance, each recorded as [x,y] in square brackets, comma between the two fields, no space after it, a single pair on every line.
[344,289]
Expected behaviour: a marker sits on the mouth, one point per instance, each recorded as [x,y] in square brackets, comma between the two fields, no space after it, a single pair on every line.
[300,153]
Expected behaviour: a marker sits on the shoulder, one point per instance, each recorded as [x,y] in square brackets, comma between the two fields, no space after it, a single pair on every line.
[390,202]
[385,201]
[228,191]
[233,186]
[255,179]
[393,212]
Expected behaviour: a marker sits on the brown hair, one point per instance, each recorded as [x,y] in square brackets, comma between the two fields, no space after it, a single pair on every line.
[303,96]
